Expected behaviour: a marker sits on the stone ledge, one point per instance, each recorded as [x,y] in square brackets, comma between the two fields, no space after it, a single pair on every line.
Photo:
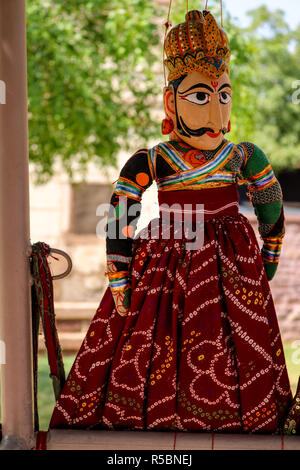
[150,440]
[69,311]
[69,341]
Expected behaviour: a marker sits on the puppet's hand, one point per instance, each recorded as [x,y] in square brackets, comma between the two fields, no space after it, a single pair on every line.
[122,300]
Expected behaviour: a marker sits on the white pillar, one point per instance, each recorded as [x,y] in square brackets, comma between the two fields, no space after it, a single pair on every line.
[15,316]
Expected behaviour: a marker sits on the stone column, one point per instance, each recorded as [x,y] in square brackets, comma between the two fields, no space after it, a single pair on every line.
[15,316]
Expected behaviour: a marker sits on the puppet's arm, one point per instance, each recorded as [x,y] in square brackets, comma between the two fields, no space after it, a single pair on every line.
[125,205]
[266,197]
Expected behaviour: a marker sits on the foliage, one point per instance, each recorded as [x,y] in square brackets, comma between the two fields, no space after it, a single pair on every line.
[90,79]
[277,68]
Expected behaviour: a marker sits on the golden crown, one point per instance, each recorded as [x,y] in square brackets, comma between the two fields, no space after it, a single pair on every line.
[198,44]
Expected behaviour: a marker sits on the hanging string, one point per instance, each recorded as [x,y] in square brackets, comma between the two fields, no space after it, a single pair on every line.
[221,13]
[187,6]
[167,26]
[206,3]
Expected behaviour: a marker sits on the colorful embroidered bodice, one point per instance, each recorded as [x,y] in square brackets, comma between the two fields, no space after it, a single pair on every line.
[210,173]
[173,165]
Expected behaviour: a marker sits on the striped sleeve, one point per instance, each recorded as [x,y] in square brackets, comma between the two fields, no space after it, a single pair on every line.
[266,197]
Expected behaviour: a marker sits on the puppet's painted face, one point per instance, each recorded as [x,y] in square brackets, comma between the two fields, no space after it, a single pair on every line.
[200,109]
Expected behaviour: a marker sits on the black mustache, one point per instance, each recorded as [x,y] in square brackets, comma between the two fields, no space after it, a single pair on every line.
[195,132]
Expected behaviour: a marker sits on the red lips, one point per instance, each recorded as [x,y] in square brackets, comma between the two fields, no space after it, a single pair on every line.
[213,135]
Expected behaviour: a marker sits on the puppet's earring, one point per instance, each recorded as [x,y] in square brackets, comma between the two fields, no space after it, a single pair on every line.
[167,126]
[229,126]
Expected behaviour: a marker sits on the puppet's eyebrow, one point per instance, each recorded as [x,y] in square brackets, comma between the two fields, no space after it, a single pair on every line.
[198,85]
[225,85]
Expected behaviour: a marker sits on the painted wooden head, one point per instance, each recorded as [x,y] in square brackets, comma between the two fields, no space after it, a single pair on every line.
[198,97]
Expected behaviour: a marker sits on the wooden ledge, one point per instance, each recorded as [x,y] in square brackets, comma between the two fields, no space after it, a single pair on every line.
[155,440]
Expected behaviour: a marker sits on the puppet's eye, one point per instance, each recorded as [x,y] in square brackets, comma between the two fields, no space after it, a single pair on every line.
[224,97]
[199,98]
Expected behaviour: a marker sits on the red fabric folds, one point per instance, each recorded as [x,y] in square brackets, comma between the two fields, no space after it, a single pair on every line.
[200,349]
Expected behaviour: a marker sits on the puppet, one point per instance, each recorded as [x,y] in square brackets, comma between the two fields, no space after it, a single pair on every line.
[186,336]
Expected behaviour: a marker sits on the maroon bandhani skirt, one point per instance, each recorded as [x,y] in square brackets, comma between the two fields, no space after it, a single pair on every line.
[200,349]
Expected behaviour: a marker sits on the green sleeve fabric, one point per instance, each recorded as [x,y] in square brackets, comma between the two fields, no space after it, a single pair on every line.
[266,197]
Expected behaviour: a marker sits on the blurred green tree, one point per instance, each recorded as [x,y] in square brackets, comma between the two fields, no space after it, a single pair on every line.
[277,75]
[91,83]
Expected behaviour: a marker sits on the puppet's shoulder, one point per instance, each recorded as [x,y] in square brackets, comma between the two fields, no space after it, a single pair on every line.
[254,159]
[248,155]
[137,168]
